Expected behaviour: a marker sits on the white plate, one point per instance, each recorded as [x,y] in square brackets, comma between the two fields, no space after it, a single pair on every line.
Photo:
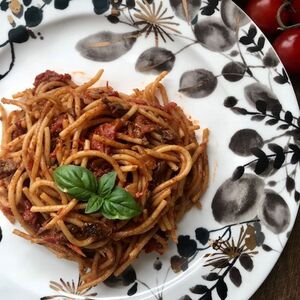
[215,56]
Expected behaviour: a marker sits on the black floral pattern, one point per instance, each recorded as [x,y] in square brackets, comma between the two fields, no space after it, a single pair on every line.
[286,156]
[222,257]
[70,288]
[30,16]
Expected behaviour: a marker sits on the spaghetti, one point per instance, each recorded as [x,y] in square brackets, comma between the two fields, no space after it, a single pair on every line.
[152,147]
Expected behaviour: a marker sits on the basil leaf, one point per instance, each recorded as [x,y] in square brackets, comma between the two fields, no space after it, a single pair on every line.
[77,181]
[94,204]
[106,184]
[120,205]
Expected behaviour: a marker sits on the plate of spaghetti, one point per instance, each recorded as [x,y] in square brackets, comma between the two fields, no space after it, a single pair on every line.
[150,157]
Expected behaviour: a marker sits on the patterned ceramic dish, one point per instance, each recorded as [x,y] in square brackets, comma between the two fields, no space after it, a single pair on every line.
[224,73]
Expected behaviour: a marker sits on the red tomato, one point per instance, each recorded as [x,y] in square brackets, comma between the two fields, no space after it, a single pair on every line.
[287,45]
[264,12]
[295,11]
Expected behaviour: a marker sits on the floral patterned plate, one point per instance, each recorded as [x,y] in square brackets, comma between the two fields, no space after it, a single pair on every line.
[225,74]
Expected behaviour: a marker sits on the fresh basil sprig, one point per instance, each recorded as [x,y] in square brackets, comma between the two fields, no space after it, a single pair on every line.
[103,196]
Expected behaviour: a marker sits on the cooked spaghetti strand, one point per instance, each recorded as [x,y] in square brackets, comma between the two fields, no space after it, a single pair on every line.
[147,140]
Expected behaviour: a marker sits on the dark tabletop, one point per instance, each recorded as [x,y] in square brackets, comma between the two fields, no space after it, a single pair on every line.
[284,280]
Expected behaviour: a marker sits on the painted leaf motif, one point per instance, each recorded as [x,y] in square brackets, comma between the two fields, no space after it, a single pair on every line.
[185,9]
[261,106]
[295,158]
[295,148]
[222,289]
[27,2]
[234,53]
[202,235]
[267,248]
[130,3]
[210,8]
[238,173]
[232,16]
[239,110]
[129,276]
[276,110]
[178,263]
[230,102]
[106,46]
[237,201]
[258,47]
[252,31]
[234,71]
[261,42]
[288,117]
[258,118]
[290,184]
[280,156]
[4,4]
[157,265]
[258,91]
[133,289]
[211,276]
[270,59]
[273,122]
[61,4]
[262,162]
[155,60]
[125,279]
[113,19]
[19,34]
[101,6]
[259,236]
[235,276]
[244,140]
[275,148]
[273,212]
[186,246]
[33,16]
[198,83]
[245,40]
[213,35]
[199,289]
